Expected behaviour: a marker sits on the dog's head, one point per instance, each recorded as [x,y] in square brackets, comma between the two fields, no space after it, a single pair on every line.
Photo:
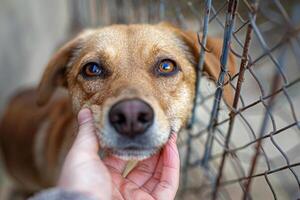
[138,80]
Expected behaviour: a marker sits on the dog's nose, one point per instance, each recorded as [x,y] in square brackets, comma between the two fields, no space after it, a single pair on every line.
[131,117]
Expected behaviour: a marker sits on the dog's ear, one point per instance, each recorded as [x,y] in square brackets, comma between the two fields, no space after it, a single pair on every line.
[212,57]
[212,65]
[54,74]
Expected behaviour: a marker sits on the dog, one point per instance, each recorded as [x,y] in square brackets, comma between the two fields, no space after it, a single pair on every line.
[139,82]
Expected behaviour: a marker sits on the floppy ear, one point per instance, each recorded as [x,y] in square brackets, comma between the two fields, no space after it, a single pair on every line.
[212,57]
[54,74]
[212,63]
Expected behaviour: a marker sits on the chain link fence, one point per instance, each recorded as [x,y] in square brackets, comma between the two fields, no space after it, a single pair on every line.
[250,150]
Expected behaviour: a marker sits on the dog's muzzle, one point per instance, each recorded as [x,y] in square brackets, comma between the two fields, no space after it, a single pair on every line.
[131,117]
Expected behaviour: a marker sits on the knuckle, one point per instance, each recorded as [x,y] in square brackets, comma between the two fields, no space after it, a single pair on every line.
[87,126]
[144,168]
[165,184]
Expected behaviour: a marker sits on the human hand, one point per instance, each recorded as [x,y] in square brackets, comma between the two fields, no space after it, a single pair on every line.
[83,170]
[154,178]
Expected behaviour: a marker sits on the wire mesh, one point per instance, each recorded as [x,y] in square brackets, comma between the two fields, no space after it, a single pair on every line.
[250,150]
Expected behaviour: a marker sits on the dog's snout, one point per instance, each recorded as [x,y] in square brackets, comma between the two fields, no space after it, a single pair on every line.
[131,117]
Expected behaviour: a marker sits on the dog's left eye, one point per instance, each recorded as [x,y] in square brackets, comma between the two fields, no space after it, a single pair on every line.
[167,67]
[92,69]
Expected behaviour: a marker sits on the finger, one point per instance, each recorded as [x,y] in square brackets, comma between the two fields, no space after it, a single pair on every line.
[144,170]
[116,167]
[169,181]
[86,139]
[114,164]
[130,190]
[154,180]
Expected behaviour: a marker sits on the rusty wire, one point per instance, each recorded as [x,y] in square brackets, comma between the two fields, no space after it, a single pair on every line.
[268,113]
[264,36]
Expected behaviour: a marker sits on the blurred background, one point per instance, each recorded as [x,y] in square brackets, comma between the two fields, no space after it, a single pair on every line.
[32,30]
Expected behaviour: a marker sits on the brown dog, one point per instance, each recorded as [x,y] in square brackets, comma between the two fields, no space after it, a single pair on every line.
[139,82]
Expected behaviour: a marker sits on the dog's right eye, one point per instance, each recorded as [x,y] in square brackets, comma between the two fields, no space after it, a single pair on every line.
[91,70]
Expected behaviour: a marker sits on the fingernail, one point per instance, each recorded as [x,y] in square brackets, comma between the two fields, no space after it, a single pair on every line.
[84,115]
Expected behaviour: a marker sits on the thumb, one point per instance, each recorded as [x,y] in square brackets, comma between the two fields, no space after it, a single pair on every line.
[86,139]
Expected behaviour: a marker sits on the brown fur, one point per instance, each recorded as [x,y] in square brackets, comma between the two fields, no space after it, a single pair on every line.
[19,127]
[129,52]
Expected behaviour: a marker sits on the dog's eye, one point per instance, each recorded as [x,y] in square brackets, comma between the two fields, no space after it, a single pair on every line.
[92,69]
[167,67]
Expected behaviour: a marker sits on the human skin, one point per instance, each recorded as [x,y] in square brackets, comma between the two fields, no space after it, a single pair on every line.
[154,178]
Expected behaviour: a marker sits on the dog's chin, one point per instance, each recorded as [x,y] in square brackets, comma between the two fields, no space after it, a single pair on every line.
[134,154]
